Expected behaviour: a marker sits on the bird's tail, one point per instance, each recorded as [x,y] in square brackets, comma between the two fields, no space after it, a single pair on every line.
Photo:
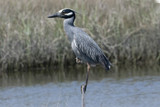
[105,62]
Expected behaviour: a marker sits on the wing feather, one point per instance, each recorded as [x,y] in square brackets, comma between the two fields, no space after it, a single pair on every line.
[87,50]
[87,47]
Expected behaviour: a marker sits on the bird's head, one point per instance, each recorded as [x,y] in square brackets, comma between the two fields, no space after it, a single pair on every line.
[63,13]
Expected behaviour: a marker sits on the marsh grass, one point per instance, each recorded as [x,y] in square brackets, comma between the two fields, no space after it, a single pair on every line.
[128,31]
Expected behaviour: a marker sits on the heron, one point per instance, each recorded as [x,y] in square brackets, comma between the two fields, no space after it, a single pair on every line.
[84,47]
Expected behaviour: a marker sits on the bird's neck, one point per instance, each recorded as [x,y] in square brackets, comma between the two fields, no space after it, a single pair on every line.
[68,27]
[69,21]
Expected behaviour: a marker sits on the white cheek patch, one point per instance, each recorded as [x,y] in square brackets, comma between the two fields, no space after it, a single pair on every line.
[61,11]
[69,14]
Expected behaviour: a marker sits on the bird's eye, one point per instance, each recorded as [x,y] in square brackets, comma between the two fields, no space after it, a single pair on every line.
[63,11]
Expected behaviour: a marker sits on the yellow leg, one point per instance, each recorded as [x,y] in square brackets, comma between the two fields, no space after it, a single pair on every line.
[84,87]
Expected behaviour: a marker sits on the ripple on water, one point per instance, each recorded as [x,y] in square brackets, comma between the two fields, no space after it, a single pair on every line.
[129,92]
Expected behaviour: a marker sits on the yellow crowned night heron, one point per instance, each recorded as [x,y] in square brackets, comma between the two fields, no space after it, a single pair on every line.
[83,46]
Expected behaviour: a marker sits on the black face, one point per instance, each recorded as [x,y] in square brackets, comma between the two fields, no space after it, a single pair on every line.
[64,13]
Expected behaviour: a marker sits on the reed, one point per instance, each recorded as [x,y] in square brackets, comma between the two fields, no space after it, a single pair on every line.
[127,31]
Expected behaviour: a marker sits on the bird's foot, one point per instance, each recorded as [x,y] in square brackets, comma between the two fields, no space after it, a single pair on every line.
[83,88]
[78,60]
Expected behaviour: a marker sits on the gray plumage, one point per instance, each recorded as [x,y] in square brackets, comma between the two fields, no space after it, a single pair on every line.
[84,47]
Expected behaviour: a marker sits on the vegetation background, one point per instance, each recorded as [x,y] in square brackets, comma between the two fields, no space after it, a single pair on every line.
[128,31]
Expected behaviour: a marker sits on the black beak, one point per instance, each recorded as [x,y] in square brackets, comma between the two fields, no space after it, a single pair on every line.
[53,16]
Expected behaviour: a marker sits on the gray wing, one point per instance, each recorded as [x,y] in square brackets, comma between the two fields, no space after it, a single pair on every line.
[87,49]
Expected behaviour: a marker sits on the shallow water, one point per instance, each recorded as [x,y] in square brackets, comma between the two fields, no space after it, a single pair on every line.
[127,87]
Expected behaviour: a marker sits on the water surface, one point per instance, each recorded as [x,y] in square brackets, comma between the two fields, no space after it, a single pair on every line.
[127,87]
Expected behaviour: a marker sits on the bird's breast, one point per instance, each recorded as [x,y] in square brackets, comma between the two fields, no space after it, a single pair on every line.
[75,47]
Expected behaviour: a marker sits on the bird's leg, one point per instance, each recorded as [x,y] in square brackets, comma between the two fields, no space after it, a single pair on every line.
[78,60]
[84,87]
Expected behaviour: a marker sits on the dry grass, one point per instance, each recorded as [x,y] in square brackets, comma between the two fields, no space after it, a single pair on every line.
[127,31]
